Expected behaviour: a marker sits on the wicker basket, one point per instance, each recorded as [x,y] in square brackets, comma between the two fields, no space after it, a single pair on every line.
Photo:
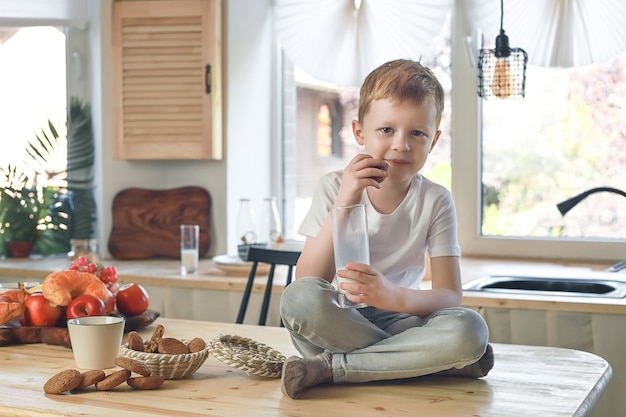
[169,366]
[251,357]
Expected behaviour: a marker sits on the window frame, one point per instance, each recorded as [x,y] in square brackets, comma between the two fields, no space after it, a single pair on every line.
[71,17]
[466,175]
[69,14]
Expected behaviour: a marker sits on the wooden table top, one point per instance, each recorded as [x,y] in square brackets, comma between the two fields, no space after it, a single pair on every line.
[525,381]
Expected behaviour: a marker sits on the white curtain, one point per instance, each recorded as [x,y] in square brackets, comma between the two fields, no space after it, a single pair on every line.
[341,41]
[556,33]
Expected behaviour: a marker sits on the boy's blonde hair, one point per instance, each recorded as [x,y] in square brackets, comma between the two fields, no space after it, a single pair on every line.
[399,81]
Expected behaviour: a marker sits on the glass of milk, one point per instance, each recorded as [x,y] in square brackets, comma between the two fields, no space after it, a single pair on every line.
[351,244]
[189,239]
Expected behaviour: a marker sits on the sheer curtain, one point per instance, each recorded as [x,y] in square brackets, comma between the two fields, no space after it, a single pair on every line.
[556,33]
[341,41]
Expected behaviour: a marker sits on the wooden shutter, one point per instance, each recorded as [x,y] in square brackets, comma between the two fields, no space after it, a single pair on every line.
[167,79]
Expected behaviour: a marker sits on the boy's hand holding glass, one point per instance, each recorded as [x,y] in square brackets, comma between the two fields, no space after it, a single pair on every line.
[351,244]
[351,280]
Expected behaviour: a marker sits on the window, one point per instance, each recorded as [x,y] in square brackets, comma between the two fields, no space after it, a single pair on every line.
[42,63]
[565,137]
[329,124]
[36,39]
[322,140]
[510,162]
[32,85]
[324,131]
[514,160]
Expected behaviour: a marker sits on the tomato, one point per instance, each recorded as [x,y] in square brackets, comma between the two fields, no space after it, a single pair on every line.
[85,305]
[40,312]
[132,299]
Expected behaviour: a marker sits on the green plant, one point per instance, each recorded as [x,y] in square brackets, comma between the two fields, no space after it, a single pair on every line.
[70,204]
[80,161]
[19,206]
[47,158]
[55,201]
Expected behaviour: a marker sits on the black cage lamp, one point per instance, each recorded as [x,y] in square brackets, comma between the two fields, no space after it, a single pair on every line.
[502,71]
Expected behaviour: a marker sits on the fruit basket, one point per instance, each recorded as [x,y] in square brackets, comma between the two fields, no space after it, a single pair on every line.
[169,366]
[252,357]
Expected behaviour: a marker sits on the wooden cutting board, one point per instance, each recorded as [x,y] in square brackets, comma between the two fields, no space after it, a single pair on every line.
[146,223]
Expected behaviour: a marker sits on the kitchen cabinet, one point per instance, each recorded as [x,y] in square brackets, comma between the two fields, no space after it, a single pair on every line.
[597,333]
[167,79]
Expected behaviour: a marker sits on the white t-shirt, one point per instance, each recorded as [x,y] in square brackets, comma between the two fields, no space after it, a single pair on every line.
[424,221]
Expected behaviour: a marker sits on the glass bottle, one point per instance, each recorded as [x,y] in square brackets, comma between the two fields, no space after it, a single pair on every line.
[87,248]
[271,228]
[246,227]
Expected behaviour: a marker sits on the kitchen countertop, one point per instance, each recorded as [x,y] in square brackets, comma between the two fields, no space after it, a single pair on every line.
[525,381]
[156,272]
[166,273]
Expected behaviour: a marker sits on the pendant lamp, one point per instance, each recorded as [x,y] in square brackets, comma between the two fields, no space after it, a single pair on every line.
[502,71]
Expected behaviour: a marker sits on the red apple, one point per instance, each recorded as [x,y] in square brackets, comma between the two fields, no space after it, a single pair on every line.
[40,312]
[132,299]
[109,304]
[85,305]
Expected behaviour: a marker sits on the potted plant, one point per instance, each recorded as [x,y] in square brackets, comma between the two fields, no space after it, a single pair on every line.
[80,167]
[19,212]
[53,204]
[48,156]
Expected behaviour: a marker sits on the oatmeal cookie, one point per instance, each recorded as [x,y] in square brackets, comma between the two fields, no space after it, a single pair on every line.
[196,345]
[153,343]
[135,342]
[146,382]
[91,377]
[132,365]
[63,381]
[113,380]
[172,346]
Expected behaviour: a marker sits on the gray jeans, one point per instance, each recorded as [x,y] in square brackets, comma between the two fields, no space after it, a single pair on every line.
[369,344]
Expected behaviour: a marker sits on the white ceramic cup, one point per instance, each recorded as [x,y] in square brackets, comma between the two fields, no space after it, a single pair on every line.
[189,242]
[351,244]
[96,340]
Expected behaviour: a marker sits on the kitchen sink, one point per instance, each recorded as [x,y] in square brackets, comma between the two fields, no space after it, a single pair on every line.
[574,287]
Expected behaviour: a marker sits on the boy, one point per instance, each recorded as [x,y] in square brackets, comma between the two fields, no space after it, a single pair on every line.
[404,332]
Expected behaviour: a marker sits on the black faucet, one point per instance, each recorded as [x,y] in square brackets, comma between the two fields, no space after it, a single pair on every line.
[570,203]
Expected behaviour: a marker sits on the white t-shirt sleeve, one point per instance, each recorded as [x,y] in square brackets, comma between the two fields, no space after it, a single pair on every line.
[321,203]
[442,235]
